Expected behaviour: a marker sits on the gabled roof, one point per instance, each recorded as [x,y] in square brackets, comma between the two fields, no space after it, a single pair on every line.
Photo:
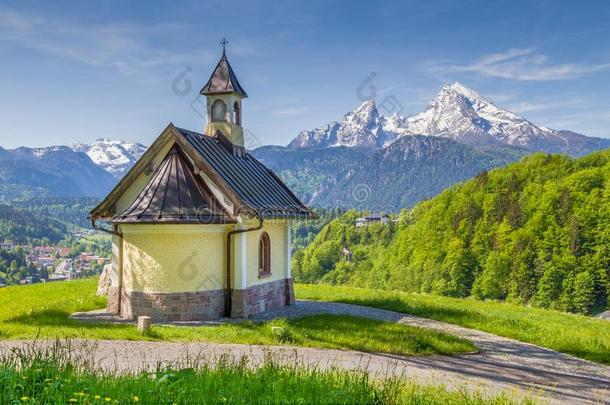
[256,186]
[252,188]
[174,194]
[223,80]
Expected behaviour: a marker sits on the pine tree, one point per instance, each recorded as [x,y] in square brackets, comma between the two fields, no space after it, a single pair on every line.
[584,292]
[492,281]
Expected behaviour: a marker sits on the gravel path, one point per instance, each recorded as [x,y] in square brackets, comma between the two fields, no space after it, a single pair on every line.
[501,365]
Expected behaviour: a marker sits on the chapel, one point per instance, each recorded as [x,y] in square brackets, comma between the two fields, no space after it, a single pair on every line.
[200,228]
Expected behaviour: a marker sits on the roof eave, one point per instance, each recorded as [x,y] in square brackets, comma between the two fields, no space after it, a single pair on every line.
[172,221]
[204,92]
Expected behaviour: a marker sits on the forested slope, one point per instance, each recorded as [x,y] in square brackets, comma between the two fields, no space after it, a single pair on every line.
[21,226]
[536,232]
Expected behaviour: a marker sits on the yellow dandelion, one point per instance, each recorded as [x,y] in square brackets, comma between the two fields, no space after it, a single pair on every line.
[107,399]
[79,394]
[24,399]
[136,399]
[97,397]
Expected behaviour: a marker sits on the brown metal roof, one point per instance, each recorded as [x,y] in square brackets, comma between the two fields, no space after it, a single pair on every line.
[174,194]
[258,188]
[223,80]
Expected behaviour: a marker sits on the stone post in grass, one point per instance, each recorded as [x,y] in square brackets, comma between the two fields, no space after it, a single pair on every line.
[144,323]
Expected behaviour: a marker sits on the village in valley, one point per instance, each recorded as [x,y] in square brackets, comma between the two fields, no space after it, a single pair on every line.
[37,263]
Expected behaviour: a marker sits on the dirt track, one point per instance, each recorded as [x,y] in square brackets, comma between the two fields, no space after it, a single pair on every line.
[501,365]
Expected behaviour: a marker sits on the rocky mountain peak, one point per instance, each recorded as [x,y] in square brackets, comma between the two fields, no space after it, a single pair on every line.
[363,126]
[461,90]
[362,118]
[366,113]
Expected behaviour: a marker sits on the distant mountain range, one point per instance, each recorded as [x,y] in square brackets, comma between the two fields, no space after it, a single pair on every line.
[368,160]
[457,113]
[409,170]
[80,170]
[56,171]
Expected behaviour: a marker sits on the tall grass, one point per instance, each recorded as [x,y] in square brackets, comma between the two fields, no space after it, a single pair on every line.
[53,376]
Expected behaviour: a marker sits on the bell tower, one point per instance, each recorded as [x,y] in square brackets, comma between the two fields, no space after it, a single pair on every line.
[224,95]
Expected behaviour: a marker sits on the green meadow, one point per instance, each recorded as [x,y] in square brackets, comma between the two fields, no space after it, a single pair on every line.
[42,310]
[578,335]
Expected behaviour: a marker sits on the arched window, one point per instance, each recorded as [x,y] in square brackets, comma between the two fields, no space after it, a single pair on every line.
[237,113]
[219,111]
[264,255]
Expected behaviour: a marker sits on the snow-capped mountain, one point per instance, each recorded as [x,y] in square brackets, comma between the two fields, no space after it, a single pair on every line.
[464,115]
[362,127]
[116,157]
[458,113]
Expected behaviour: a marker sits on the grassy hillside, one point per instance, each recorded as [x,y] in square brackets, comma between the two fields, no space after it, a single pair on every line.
[323,259]
[535,232]
[578,335]
[42,310]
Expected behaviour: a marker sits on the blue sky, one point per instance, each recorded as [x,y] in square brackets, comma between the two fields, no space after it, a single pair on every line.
[76,71]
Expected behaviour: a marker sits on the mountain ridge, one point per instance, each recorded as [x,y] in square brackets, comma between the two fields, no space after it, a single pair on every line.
[392,161]
[409,170]
[458,113]
[53,171]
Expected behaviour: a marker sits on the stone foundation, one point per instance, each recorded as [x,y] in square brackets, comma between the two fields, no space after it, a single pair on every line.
[289,292]
[113,301]
[261,298]
[186,306]
[202,305]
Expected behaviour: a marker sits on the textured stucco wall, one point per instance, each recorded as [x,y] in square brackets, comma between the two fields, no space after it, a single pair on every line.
[173,258]
[277,235]
[115,274]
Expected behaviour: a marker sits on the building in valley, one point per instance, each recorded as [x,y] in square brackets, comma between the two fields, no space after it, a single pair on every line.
[372,219]
[201,229]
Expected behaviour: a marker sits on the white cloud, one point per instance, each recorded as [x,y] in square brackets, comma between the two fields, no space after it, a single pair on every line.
[125,47]
[520,64]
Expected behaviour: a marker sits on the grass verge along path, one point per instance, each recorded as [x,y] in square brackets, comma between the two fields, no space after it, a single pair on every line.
[55,378]
[578,335]
[42,310]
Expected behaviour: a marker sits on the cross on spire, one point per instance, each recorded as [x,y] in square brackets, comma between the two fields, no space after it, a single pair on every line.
[224,43]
